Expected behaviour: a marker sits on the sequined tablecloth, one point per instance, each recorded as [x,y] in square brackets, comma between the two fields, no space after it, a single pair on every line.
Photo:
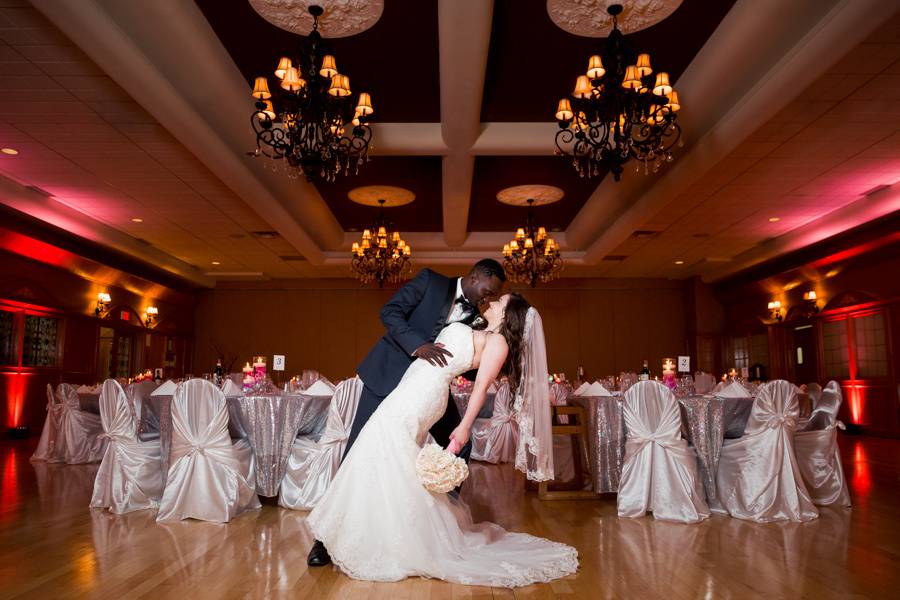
[606,439]
[271,422]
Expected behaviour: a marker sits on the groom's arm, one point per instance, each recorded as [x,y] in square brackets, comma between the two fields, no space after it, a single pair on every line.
[395,314]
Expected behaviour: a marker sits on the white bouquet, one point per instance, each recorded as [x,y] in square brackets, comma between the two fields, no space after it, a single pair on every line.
[439,470]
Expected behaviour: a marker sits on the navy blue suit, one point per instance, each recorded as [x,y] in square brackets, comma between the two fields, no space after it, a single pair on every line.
[414,316]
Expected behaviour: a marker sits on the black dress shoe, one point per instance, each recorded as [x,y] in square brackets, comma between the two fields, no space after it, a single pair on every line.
[318,555]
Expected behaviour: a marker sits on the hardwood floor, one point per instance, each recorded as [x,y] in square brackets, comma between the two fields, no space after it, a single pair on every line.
[53,546]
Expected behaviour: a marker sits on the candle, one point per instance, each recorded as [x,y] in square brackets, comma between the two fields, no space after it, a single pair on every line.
[247,368]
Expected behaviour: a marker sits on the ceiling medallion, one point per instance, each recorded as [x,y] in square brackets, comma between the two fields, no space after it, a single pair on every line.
[530,195]
[387,196]
[380,255]
[590,18]
[315,127]
[619,111]
[532,256]
[341,18]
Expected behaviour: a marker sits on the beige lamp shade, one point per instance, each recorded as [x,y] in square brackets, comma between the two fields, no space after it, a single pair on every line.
[673,101]
[364,106]
[283,65]
[329,67]
[582,87]
[595,67]
[643,65]
[291,80]
[269,111]
[261,89]
[356,120]
[662,86]
[631,81]
[340,85]
[564,110]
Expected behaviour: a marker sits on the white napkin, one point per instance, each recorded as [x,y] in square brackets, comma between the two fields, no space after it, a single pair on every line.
[582,389]
[733,390]
[166,389]
[597,389]
[230,388]
[319,388]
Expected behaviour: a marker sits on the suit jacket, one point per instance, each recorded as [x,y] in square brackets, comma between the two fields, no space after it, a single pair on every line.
[414,316]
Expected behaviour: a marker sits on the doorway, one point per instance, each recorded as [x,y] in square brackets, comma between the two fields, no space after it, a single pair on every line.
[805,353]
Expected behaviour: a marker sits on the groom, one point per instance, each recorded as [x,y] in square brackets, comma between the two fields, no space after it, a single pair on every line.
[413,318]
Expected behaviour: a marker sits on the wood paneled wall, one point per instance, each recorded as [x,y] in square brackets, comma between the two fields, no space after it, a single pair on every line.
[329,325]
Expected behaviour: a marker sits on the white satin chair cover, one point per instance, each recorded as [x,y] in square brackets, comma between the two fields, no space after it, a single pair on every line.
[50,432]
[130,477]
[703,382]
[659,472]
[210,478]
[818,454]
[494,440]
[314,462]
[758,477]
[78,439]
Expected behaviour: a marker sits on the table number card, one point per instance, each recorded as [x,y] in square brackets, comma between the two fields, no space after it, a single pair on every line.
[278,362]
[684,364]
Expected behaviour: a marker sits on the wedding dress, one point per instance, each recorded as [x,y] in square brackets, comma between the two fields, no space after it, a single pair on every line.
[380,524]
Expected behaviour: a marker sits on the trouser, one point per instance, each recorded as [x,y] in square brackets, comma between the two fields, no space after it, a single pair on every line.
[440,431]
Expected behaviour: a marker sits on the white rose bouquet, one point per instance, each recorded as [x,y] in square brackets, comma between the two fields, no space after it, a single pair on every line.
[439,470]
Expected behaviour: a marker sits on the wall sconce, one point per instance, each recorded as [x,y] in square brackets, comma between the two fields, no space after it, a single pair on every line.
[810,297]
[775,309]
[150,315]
[103,301]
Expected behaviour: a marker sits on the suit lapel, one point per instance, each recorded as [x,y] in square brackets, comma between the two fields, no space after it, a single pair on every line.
[445,309]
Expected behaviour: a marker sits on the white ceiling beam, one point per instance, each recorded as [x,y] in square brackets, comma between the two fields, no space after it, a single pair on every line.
[47,209]
[407,139]
[516,139]
[464,28]
[186,80]
[728,94]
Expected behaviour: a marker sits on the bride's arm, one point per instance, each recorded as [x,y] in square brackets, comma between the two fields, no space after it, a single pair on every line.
[492,358]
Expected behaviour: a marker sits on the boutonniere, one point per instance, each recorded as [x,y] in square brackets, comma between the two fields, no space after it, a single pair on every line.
[479,322]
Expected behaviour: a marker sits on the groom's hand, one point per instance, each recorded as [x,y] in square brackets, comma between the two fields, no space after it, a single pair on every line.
[435,354]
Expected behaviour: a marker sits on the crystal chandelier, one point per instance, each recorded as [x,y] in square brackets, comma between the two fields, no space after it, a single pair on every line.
[315,126]
[382,256]
[532,255]
[619,111]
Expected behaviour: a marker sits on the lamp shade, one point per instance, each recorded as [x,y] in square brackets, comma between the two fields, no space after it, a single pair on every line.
[283,65]
[662,86]
[582,87]
[643,65]
[673,101]
[631,81]
[329,67]
[595,67]
[564,110]
[292,81]
[340,85]
[269,110]
[261,89]
[364,106]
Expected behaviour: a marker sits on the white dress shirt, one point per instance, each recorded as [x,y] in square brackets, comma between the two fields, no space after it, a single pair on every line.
[457,310]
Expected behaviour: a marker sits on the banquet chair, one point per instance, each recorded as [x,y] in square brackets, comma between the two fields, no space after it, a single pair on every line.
[814,390]
[209,478]
[494,440]
[79,437]
[758,478]
[818,454]
[704,382]
[577,429]
[130,476]
[50,432]
[315,459]
[659,473]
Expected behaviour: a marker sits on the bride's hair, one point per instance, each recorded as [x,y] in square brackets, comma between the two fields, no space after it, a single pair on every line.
[513,329]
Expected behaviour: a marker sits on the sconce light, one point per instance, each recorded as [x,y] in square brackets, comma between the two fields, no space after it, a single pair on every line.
[150,315]
[103,301]
[810,297]
[775,309]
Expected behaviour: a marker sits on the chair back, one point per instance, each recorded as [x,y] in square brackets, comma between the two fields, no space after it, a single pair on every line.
[814,391]
[51,398]
[116,415]
[199,418]
[825,411]
[67,395]
[342,410]
[651,412]
[703,382]
[503,401]
[775,406]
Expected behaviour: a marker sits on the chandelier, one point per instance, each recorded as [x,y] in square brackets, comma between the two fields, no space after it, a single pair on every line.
[315,126]
[381,256]
[619,111]
[532,255]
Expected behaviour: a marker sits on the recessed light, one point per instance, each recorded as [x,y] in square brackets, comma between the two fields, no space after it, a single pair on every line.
[137,220]
[10,151]
[774,219]
[679,262]
[215,262]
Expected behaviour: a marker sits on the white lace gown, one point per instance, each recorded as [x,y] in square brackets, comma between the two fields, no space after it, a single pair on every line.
[378,522]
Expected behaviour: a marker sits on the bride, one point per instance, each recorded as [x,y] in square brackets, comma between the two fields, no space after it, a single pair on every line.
[377,520]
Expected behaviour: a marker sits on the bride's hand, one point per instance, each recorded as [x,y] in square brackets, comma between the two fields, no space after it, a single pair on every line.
[458,439]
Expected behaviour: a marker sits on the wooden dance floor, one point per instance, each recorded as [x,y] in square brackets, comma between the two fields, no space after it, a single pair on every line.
[53,546]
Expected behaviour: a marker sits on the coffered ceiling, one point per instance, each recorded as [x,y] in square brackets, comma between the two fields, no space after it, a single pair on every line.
[140,110]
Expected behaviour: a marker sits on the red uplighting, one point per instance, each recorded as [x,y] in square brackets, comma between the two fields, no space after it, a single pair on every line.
[855,401]
[35,249]
[9,490]
[15,398]
[862,478]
